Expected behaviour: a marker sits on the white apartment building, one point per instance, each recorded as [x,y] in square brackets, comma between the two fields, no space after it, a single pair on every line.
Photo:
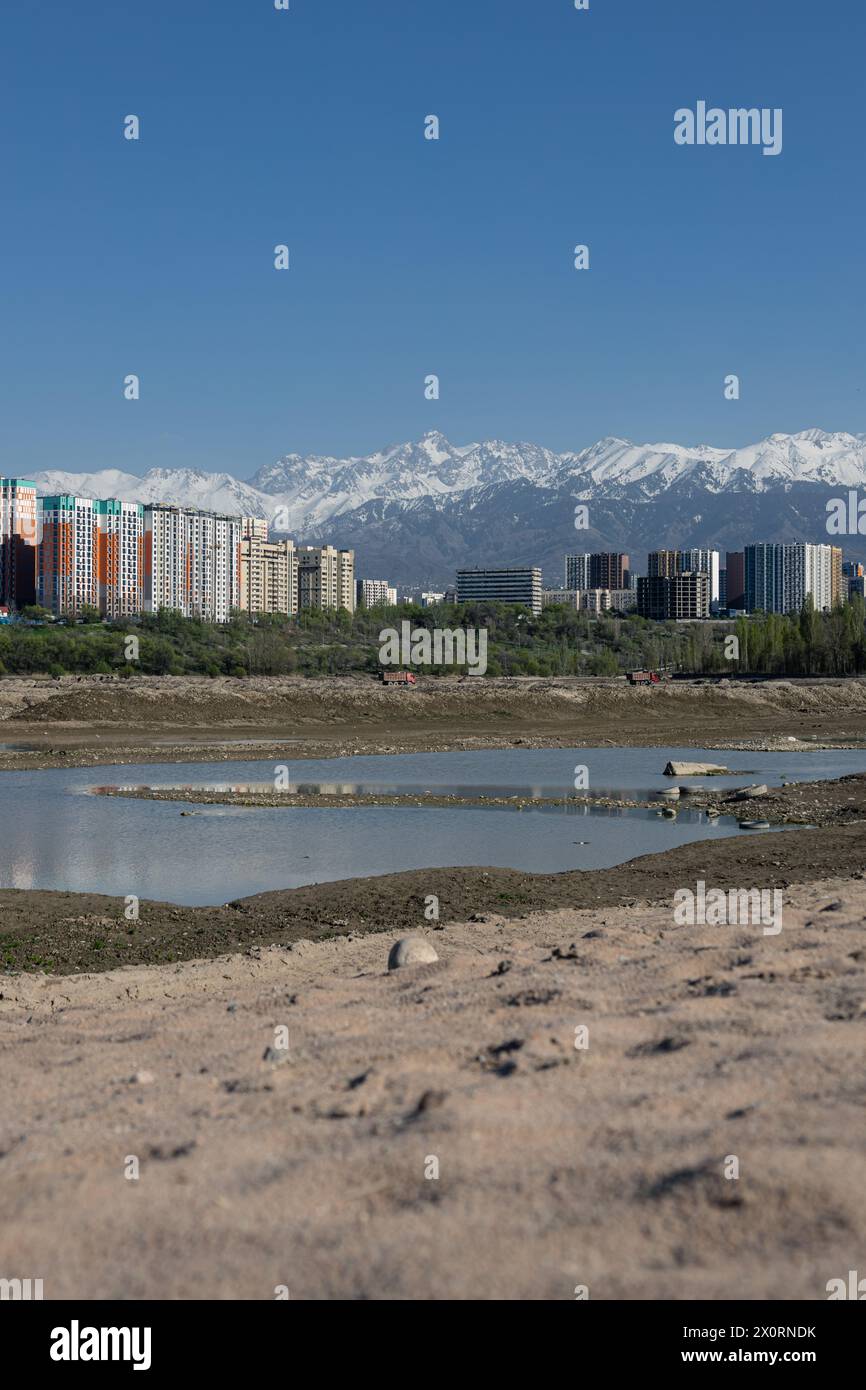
[191,562]
[370,592]
[698,561]
[780,576]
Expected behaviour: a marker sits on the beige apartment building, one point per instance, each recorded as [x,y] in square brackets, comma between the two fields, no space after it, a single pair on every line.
[279,577]
[326,577]
[269,576]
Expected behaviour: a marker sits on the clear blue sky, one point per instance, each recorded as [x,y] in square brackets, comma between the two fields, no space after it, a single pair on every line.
[410,256]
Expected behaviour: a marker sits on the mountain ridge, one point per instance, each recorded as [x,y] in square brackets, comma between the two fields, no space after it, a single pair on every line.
[416,510]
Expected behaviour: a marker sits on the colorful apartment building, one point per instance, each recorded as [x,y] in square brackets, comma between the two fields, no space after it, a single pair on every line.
[91,555]
[192,562]
[19,537]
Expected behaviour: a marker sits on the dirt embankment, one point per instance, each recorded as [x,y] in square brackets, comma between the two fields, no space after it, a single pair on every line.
[555,1105]
[88,720]
[69,932]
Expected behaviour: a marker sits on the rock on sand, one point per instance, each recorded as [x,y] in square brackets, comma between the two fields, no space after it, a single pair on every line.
[410,950]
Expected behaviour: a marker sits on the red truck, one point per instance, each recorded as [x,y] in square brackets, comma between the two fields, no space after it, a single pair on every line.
[646,677]
[398,678]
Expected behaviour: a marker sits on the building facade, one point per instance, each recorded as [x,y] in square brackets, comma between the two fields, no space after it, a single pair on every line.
[735,579]
[191,562]
[268,576]
[91,555]
[779,577]
[609,570]
[577,571]
[326,577]
[369,593]
[569,597]
[19,536]
[665,564]
[662,564]
[700,561]
[838,588]
[517,585]
[674,598]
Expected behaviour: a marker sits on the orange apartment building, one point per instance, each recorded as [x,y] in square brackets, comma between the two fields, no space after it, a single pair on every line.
[91,555]
[19,536]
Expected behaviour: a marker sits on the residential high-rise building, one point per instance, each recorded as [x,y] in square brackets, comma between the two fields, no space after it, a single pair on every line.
[326,577]
[577,571]
[119,557]
[608,570]
[268,576]
[662,564]
[700,561]
[779,577]
[19,534]
[371,592]
[91,555]
[600,570]
[853,579]
[838,590]
[66,567]
[254,526]
[191,562]
[521,584]
[735,584]
[679,596]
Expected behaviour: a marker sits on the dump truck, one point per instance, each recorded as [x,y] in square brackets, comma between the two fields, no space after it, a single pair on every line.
[647,677]
[398,678]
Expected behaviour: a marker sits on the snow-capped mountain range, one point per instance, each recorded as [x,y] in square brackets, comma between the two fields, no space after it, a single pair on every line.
[495,499]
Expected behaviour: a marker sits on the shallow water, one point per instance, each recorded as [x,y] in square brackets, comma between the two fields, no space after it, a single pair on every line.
[56,835]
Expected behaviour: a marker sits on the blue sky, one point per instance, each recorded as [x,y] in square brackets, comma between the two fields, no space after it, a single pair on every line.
[409,256]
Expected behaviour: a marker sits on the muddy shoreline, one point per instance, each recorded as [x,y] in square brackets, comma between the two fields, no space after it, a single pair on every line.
[66,933]
[169,719]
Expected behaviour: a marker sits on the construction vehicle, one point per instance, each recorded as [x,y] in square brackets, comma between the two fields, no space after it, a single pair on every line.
[399,678]
[647,677]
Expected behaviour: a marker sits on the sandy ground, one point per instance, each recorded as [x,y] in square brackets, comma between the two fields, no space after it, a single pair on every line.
[602,1166]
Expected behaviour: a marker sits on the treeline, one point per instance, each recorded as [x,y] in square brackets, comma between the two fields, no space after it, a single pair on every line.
[557,642]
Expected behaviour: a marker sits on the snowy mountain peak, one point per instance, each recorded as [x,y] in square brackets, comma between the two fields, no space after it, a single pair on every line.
[315,490]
